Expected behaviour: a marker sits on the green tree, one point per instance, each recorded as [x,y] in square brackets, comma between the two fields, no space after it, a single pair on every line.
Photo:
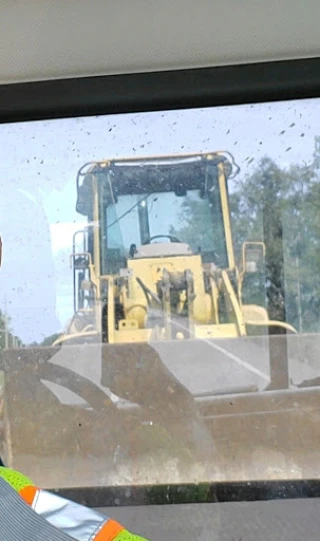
[282,208]
[200,226]
[193,224]
[7,338]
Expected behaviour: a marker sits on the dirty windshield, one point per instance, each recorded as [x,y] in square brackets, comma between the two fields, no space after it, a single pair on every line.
[160,201]
[160,297]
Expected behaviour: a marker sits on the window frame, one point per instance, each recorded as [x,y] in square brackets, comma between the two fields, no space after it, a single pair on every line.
[158,91]
[163,90]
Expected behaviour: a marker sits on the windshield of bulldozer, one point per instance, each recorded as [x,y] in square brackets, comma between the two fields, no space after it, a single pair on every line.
[161,201]
[160,316]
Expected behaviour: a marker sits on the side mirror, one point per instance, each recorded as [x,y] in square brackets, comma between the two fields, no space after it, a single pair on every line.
[253,256]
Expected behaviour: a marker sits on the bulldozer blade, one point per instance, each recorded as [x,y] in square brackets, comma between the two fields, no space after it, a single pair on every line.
[184,411]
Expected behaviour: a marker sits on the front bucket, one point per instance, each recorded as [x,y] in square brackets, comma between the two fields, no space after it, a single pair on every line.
[181,412]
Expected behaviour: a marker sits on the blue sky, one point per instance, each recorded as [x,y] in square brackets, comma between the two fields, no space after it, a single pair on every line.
[42,158]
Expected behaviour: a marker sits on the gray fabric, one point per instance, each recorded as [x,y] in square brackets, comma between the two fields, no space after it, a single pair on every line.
[18,522]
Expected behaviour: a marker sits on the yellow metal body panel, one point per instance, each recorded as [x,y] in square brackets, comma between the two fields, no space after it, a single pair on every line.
[233,305]
[132,335]
[150,270]
[224,330]
[226,214]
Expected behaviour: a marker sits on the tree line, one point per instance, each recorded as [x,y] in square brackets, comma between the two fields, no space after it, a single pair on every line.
[280,206]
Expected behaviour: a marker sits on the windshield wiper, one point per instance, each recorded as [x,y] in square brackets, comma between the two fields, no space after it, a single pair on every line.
[129,210]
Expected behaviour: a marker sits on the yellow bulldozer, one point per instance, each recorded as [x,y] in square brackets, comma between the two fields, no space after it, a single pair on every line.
[157,258]
[175,374]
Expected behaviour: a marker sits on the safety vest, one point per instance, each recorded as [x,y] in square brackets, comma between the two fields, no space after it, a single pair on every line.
[28,513]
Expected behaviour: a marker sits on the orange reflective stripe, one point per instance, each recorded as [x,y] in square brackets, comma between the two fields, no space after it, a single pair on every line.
[109,531]
[28,494]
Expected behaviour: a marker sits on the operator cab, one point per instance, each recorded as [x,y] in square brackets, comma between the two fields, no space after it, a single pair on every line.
[162,207]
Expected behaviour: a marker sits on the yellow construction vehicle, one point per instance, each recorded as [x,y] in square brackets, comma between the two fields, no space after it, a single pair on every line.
[172,386]
[157,258]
